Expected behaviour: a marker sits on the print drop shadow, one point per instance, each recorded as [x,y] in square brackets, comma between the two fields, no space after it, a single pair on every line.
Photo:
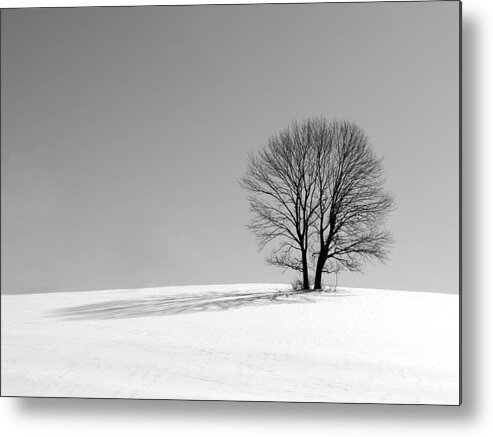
[183,304]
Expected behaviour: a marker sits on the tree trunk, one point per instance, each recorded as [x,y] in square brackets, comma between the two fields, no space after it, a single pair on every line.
[319,270]
[306,280]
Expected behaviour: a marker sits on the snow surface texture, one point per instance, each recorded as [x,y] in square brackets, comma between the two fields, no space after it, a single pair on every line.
[233,342]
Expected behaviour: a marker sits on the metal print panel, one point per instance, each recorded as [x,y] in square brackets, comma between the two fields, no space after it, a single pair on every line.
[240,202]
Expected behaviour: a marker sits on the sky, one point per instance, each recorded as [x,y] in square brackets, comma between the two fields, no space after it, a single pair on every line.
[125,132]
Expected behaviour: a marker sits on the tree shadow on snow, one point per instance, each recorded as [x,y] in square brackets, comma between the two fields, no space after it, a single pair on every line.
[182,304]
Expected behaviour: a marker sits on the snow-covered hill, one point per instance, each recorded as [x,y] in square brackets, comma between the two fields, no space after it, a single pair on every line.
[237,342]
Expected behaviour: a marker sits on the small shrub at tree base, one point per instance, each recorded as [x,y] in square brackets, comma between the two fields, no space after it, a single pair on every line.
[297,284]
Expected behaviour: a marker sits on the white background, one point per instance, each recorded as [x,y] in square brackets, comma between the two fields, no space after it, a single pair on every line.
[81,417]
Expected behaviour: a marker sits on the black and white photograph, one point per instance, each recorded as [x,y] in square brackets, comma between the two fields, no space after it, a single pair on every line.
[250,202]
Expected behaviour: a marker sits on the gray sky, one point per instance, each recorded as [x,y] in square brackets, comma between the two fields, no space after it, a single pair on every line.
[125,131]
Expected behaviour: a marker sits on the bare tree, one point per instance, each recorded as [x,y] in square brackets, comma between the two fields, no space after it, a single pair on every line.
[281,181]
[352,203]
[316,189]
